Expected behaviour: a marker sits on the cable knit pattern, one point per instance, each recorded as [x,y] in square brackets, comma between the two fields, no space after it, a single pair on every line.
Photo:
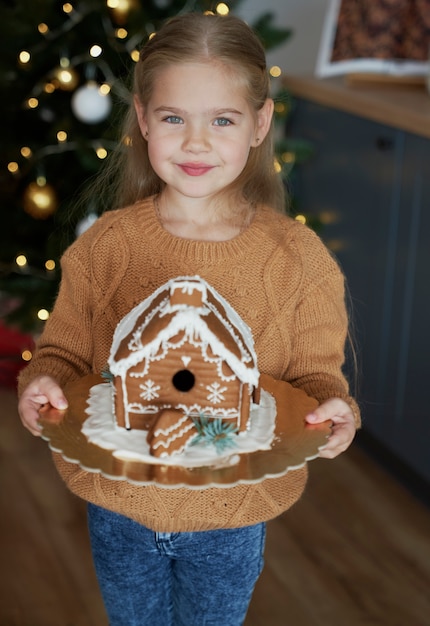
[279,277]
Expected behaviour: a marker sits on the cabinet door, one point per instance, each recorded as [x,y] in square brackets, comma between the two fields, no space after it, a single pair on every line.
[407,376]
[353,187]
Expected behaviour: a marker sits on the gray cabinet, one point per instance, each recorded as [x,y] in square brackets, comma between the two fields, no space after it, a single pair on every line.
[368,185]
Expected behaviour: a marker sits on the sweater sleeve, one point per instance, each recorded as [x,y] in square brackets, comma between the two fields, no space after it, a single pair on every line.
[64,350]
[320,332]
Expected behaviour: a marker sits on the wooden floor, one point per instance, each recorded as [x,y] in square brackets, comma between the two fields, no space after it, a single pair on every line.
[354,551]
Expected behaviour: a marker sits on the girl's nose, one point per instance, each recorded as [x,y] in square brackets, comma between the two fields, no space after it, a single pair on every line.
[196,140]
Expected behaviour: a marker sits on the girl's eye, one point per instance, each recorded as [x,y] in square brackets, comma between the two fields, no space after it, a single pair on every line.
[173,119]
[222,121]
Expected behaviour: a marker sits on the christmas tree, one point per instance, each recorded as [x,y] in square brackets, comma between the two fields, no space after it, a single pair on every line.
[63,72]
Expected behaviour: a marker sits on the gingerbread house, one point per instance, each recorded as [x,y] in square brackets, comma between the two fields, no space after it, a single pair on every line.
[183,352]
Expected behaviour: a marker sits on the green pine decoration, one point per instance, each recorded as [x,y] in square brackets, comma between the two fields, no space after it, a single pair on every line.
[106,374]
[53,55]
[215,432]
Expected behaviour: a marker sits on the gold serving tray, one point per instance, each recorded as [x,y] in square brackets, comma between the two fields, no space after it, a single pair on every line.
[295,443]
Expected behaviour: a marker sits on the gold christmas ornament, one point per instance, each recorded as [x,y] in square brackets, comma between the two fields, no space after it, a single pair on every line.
[40,201]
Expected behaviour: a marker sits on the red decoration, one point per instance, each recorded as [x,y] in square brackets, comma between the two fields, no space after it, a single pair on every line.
[12,345]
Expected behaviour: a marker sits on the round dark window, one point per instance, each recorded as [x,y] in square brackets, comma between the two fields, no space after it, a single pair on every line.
[184,380]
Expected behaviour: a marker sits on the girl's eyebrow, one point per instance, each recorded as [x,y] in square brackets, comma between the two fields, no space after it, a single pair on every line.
[216,112]
[226,111]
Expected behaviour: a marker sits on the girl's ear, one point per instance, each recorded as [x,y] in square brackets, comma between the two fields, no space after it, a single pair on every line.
[264,121]
[140,112]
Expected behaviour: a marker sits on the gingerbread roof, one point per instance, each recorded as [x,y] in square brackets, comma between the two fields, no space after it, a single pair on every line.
[184,309]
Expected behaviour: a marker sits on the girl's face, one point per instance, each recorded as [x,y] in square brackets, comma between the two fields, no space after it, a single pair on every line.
[200,128]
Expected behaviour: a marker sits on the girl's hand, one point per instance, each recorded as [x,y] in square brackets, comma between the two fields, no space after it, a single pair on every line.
[343,430]
[40,391]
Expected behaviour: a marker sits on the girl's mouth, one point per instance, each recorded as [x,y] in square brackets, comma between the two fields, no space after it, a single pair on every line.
[195,169]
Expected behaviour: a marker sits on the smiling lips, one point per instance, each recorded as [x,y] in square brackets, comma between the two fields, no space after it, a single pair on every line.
[195,169]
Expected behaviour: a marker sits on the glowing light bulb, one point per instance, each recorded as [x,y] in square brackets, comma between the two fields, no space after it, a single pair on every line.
[21,260]
[222,9]
[95,51]
[101,153]
[50,265]
[26,355]
[104,89]
[62,136]
[275,71]
[13,167]
[43,314]
[301,219]
[26,152]
[32,103]
[24,57]
[65,76]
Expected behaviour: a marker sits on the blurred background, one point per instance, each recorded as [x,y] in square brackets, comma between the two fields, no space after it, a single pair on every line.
[353,150]
[63,70]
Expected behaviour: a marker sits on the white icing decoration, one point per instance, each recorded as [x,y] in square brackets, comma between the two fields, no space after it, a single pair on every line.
[149,390]
[215,394]
[191,321]
[195,410]
[165,432]
[186,360]
[187,324]
[100,429]
[172,433]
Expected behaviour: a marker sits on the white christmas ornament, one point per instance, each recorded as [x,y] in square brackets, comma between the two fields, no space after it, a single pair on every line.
[89,105]
[85,223]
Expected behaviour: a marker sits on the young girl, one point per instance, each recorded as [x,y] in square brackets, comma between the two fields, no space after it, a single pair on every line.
[202,198]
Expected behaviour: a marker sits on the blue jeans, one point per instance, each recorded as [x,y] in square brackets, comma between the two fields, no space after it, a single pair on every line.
[174,579]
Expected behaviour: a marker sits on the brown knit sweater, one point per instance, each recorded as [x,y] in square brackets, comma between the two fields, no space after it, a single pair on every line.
[279,277]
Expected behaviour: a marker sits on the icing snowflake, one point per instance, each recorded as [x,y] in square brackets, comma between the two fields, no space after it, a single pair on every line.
[149,390]
[215,394]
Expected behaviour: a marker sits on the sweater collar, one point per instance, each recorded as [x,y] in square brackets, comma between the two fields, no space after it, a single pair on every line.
[205,251]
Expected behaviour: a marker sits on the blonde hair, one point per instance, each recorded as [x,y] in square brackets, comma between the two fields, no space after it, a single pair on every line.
[195,37]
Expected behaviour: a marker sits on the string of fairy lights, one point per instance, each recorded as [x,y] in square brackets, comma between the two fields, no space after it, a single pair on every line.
[91,103]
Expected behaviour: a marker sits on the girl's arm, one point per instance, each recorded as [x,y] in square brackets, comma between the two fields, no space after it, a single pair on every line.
[62,351]
[318,355]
